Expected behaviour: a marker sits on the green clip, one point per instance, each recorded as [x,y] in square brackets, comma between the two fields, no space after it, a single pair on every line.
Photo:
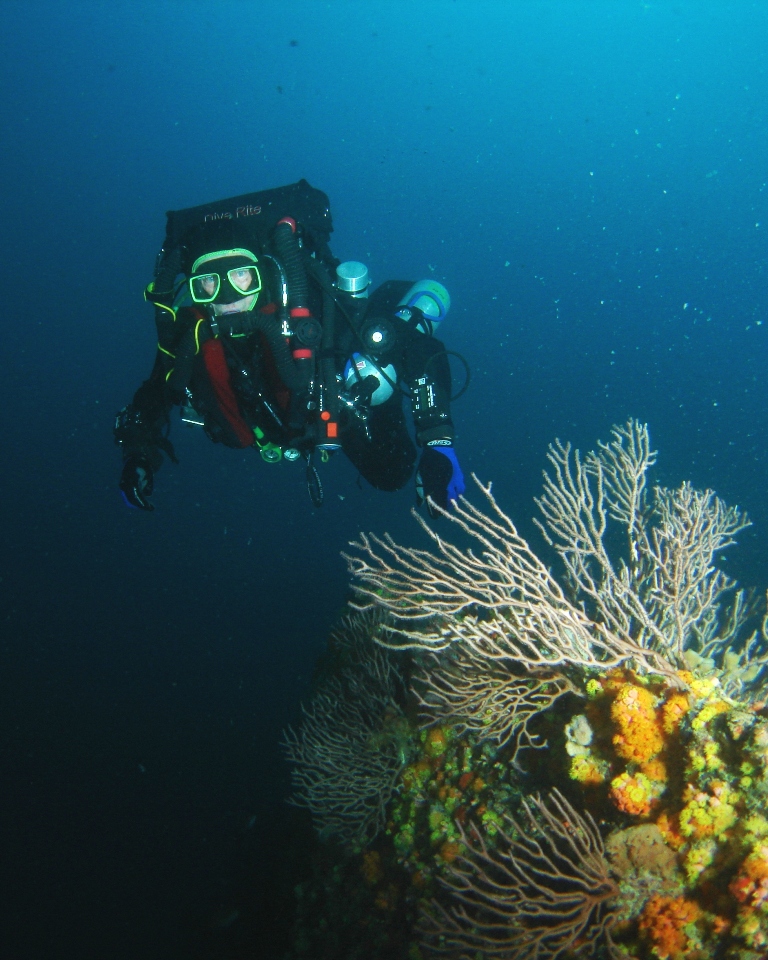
[270,452]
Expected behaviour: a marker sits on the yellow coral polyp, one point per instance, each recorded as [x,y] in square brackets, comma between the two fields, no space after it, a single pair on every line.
[757,825]
[708,712]
[700,856]
[632,795]
[593,688]
[585,769]
[614,680]
[416,775]
[673,710]
[670,830]
[749,928]
[639,735]
[703,687]
[709,814]
[712,759]
[655,770]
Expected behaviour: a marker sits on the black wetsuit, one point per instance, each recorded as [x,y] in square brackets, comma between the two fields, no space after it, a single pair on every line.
[233,380]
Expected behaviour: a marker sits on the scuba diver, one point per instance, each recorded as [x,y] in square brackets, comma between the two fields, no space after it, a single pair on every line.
[266,340]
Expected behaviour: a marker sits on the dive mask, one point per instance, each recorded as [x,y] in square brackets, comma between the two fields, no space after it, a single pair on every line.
[226,282]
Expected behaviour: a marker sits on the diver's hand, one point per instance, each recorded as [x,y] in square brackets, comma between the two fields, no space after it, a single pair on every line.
[439,478]
[137,483]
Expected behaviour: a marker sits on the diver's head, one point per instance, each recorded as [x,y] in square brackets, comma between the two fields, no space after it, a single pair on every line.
[229,280]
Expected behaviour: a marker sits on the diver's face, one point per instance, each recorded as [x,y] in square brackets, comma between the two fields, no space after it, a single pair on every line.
[241,279]
[239,306]
[208,284]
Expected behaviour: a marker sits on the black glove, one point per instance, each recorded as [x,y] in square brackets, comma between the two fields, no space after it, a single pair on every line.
[439,476]
[137,482]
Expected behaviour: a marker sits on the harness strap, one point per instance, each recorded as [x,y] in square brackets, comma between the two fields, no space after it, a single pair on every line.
[218,373]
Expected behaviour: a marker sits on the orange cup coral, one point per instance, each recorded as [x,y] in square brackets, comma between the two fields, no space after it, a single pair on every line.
[632,795]
[750,885]
[667,924]
[436,742]
[670,830]
[655,769]
[639,736]
[673,710]
[371,868]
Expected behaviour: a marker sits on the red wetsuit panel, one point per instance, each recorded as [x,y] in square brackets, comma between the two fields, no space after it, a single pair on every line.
[218,374]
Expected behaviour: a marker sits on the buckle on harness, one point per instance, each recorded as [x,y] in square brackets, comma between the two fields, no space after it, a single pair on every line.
[189,415]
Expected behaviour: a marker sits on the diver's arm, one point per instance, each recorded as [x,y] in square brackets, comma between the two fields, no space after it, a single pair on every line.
[428,374]
[141,432]
[439,478]
[140,427]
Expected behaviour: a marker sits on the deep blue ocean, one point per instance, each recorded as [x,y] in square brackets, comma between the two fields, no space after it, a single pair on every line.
[589,178]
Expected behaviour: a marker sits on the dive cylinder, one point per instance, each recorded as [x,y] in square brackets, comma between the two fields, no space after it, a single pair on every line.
[360,367]
[429,297]
[353,277]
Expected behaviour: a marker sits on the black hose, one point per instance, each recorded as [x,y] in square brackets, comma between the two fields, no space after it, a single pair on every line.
[467,371]
[328,356]
[187,348]
[289,253]
[269,325]
[288,250]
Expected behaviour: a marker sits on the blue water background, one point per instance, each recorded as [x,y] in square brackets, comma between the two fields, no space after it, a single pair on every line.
[589,180]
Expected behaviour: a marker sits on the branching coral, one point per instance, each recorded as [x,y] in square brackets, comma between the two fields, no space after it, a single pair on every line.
[666,594]
[348,752]
[489,697]
[742,670]
[504,603]
[542,890]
